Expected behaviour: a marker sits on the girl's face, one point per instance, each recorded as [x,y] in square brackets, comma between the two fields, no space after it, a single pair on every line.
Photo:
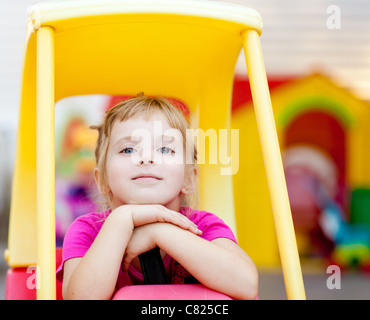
[145,163]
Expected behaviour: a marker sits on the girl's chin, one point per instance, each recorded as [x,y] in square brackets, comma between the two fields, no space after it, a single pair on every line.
[148,197]
[143,201]
[151,201]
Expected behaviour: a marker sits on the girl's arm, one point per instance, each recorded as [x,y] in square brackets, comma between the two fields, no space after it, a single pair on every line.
[95,275]
[219,264]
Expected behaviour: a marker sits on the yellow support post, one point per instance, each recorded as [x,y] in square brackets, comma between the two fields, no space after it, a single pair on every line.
[274,168]
[45,165]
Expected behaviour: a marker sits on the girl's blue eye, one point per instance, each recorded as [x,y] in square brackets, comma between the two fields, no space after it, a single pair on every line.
[166,150]
[127,150]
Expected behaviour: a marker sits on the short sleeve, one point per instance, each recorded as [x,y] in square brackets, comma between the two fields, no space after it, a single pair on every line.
[78,239]
[212,227]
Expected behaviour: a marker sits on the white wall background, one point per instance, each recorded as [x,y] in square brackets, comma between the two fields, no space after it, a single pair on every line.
[300,37]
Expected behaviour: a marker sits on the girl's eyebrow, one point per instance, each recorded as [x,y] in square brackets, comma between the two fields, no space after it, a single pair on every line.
[137,139]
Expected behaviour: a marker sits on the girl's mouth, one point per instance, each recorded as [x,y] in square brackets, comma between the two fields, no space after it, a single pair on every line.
[146,178]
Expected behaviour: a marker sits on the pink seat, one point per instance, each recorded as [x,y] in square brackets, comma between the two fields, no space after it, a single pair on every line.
[169,292]
[20,282]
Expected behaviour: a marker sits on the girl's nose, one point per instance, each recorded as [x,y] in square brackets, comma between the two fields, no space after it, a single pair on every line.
[141,162]
[145,156]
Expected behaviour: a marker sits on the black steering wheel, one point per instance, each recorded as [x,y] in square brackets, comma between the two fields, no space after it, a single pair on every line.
[152,267]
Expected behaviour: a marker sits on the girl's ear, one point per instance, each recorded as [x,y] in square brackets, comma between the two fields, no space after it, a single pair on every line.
[96,178]
[190,183]
[103,189]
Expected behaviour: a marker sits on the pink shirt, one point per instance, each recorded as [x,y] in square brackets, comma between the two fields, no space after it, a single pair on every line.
[83,231]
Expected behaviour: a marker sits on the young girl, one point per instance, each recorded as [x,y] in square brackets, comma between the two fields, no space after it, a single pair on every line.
[143,175]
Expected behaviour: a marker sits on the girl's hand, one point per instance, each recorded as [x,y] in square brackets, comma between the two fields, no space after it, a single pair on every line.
[142,240]
[146,214]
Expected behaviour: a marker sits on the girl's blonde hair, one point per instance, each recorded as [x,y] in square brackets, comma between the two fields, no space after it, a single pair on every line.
[127,109]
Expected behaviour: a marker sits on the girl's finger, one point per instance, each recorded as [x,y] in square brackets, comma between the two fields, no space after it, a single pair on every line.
[180,220]
[126,263]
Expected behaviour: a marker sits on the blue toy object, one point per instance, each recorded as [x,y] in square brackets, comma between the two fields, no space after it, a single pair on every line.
[352,241]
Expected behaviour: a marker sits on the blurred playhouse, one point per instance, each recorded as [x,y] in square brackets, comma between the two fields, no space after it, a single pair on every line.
[324,134]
